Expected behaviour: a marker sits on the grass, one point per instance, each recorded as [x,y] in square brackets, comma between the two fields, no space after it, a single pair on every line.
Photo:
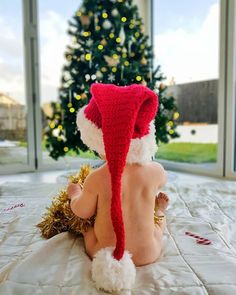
[188,152]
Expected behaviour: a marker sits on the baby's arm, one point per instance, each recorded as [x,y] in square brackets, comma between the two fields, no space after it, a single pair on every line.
[83,201]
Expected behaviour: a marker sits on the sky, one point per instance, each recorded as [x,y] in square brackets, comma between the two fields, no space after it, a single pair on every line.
[185,42]
[186,39]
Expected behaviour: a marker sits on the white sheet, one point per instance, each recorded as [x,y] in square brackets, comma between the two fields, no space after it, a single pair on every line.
[31,265]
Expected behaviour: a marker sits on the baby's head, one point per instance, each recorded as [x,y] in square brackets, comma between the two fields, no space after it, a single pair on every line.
[122,119]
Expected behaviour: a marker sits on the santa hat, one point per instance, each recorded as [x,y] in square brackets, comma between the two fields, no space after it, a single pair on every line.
[118,123]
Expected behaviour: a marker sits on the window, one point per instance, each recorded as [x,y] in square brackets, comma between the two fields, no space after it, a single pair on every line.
[186,46]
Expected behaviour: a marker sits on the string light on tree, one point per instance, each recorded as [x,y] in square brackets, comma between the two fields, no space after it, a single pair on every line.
[104,15]
[138,78]
[77,96]
[111,35]
[52,125]
[66,149]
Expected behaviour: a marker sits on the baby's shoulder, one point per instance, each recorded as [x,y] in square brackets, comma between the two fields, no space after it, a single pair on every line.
[99,173]
[157,167]
[157,172]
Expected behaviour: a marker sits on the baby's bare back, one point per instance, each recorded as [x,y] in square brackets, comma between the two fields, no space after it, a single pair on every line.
[139,187]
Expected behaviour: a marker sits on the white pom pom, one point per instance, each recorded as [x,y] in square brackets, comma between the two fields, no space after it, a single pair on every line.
[113,275]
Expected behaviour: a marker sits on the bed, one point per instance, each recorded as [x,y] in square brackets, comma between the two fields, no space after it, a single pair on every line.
[30,264]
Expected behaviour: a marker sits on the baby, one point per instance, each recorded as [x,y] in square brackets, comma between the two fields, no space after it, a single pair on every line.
[118,123]
[139,187]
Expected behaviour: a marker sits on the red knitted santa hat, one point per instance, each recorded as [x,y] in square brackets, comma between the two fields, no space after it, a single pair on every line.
[117,123]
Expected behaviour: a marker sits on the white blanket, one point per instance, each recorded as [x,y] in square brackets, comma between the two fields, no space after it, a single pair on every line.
[32,265]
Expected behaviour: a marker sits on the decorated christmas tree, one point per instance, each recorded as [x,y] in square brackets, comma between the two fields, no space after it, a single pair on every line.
[108,45]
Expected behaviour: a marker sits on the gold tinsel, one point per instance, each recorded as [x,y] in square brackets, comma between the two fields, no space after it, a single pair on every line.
[59,216]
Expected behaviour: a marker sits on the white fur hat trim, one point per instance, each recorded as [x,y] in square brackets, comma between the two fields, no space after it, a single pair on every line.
[113,275]
[141,150]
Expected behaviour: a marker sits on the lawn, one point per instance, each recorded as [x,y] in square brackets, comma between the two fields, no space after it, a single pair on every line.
[178,152]
[188,152]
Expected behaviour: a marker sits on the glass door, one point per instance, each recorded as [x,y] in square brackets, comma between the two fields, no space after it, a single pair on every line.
[186,41]
[230,158]
[16,130]
[53,22]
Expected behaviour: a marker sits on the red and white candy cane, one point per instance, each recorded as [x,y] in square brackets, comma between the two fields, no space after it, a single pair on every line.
[200,240]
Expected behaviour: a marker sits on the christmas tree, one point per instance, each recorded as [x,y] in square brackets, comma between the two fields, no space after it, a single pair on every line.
[108,45]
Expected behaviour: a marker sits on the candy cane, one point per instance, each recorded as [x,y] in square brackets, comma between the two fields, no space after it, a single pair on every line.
[200,240]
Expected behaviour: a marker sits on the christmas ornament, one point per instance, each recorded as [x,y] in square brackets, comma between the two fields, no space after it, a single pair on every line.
[143,61]
[99,74]
[85,20]
[87,77]
[89,42]
[111,77]
[114,12]
[122,36]
[162,85]
[107,24]
[129,46]
[83,95]
[122,72]
[56,132]
[59,216]
[112,62]
[104,42]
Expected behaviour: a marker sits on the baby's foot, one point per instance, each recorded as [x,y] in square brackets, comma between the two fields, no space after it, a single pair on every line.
[162,201]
